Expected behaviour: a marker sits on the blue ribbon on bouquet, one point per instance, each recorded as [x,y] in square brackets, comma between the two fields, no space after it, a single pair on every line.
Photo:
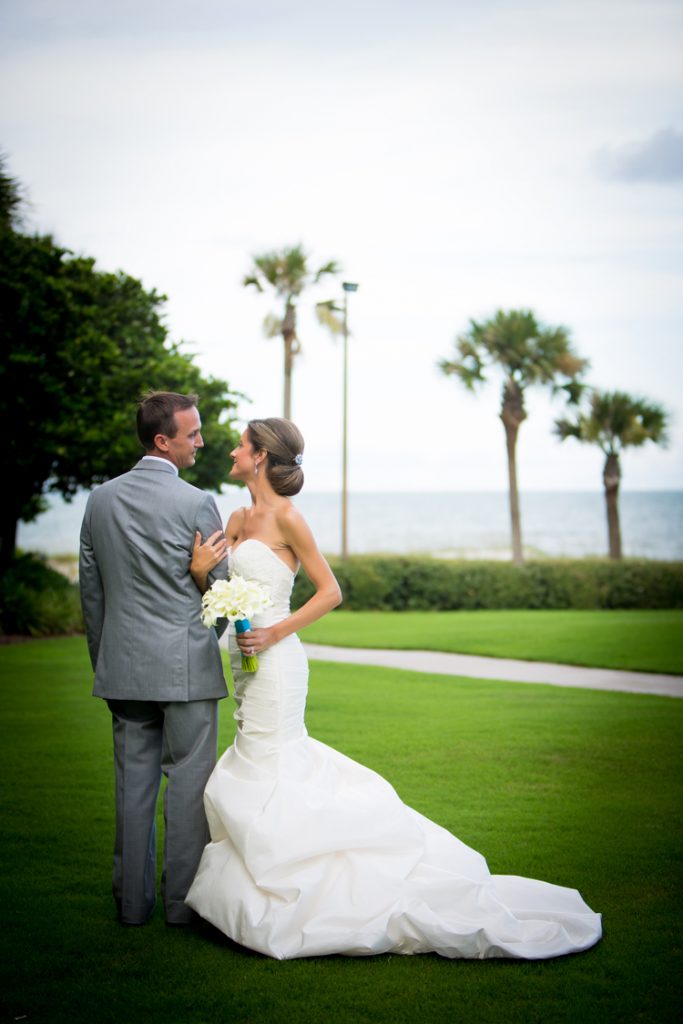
[249,661]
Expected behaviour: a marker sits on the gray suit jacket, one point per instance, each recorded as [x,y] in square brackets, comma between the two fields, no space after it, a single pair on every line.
[140,604]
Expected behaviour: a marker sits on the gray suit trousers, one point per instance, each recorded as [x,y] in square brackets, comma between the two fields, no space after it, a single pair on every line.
[177,740]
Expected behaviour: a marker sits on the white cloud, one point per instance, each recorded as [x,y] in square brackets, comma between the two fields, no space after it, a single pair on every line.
[656,159]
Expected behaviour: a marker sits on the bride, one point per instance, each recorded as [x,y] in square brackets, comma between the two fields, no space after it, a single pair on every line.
[310,852]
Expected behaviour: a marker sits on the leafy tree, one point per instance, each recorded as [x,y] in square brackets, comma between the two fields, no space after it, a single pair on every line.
[287,273]
[614,421]
[527,353]
[79,347]
[10,200]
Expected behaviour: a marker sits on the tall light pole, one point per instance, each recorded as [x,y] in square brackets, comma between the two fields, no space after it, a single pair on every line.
[348,286]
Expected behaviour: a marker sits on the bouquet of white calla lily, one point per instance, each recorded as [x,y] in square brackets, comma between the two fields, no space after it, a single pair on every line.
[238,600]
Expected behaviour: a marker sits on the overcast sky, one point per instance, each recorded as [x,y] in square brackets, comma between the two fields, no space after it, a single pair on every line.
[454,157]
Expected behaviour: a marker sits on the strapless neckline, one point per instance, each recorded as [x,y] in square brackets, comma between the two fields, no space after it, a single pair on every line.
[254,540]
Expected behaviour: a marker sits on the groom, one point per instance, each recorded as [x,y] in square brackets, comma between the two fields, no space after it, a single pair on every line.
[156,665]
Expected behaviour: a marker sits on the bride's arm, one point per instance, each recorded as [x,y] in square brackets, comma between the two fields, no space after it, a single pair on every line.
[297,533]
[299,538]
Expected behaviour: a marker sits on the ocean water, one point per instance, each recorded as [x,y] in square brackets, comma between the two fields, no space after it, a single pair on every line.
[461,525]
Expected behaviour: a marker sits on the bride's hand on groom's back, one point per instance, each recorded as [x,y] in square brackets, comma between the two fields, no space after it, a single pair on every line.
[207,555]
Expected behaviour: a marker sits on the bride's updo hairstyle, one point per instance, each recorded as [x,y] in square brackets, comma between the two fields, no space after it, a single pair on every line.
[284,446]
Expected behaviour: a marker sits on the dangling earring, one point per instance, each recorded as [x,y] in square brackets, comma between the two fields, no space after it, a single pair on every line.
[256,469]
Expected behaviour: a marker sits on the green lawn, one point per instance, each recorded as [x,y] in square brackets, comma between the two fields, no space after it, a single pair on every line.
[578,787]
[649,641]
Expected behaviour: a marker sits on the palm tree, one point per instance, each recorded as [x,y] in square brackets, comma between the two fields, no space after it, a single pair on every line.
[527,353]
[615,421]
[286,271]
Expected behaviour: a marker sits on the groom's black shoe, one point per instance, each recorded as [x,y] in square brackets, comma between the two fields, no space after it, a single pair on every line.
[180,919]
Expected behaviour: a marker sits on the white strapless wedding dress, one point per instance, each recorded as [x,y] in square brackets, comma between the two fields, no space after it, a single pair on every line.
[311,853]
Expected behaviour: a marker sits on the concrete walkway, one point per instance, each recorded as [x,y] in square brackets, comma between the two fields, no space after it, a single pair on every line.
[504,668]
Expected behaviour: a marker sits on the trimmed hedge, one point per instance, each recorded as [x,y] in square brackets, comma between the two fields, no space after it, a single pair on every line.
[35,600]
[396,583]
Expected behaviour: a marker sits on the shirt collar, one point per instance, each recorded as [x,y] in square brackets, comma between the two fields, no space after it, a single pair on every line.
[166,462]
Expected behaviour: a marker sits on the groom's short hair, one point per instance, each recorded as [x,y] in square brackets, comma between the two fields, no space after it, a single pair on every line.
[156,415]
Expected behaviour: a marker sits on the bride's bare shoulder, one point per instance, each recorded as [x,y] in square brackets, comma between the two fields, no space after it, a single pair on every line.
[291,522]
[233,527]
